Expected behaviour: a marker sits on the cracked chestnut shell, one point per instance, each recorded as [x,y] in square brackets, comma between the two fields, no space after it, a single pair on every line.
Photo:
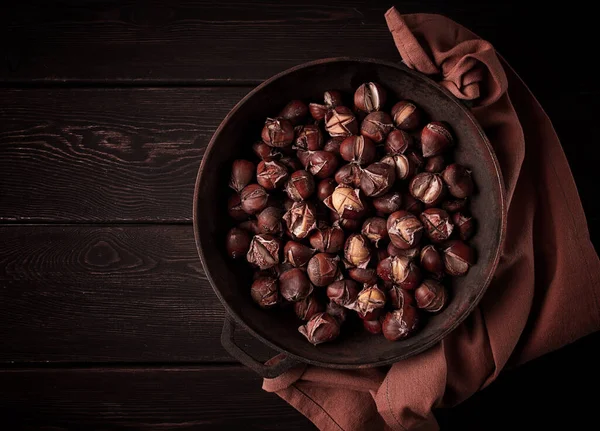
[397,142]
[406,115]
[327,239]
[358,149]
[340,121]
[264,251]
[437,224]
[294,285]
[458,257]
[398,297]
[349,175]
[317,111]
[357,251]
[271,174]
[427,187]
[388,203]
[323,269]
[369,97]
[410,253]
[404,272]
[295,111]
[309,138]
[322,164]
[242,174]
[435,138]
[343,292]
[269,220]
[265,292]
[332,98]
[266,152]
[237,242]
[464,224]
[404,229]
[377,179]
[253,198]
[321,328]
[277,132]
[300,219]
[306,308]
[402,165]
[376,126]
[431,296]
[411,204]
[369,302]
[431,261]
[347,202]
[300,185]
[459,181]
[375,229]
[297,254]
[400,324]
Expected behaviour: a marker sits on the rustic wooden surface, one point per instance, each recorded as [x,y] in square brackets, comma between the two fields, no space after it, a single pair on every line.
[106,318]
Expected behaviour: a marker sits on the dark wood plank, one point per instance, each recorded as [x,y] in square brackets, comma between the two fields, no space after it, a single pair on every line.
[206,398]
[199,41]
[107,294]
[105,154]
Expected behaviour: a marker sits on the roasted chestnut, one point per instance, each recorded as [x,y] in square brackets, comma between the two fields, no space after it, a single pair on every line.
[435,164]
[237,242]
[376,126]
[431,296]
[297,254]
[464,224]
[323,269]
[388,203]
[347,202]
[295,111]
[300,186]
[358,149]
[427,187]
[437,224]
[343,292]
[431,261]
[435,139]
[325,188]
[321,328]
[322,164]
[269,220]
[404,229]
[406,115]
[253,198]
[459,181]
[294,285]
[309,138]
[327,239]
[235,210]
[265,292]
[278,132]
[398,297]
[369,97]
[300,220]
[366,276]
[349,175]
[308,307]
[375,229]
[400,324]
[369,302]
[397,142]
[357,251]
[404,272]
[458,257]
[271,174]
[340,121]
[401,164]
[264,251]
[377,179]
[242,173]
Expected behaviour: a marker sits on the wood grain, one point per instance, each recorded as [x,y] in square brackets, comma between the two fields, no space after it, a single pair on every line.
[248,41]
[206,398]
[105,155]
[108,294]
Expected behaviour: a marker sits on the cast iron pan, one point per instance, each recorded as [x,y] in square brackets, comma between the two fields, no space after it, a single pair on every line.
[231,280]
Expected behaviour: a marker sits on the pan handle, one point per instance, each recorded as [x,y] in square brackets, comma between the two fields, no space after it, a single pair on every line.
[266,371]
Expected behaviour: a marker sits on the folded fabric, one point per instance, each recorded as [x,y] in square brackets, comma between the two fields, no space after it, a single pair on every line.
[544,294]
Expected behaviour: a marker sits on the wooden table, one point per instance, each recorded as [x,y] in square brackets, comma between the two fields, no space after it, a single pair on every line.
[107,319]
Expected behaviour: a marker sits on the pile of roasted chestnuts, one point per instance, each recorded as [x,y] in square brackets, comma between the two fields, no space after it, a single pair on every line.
[352,210]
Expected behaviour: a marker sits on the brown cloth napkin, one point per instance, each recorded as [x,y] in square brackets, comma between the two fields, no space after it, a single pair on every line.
[545,291]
